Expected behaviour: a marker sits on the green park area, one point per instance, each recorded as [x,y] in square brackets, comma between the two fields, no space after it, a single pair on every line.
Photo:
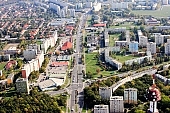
[92,66]
[112,39]
[2,64]
[162,12]
[128,25]
[122,58]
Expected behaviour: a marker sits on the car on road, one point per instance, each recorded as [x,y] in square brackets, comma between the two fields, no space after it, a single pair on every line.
[72,109]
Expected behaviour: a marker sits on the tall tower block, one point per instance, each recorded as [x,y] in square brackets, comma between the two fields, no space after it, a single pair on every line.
[153,95]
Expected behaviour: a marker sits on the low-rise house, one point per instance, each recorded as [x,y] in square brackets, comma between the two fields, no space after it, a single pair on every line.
[67,45]
[152,22]
[10,64]
[10,78]
[59,64]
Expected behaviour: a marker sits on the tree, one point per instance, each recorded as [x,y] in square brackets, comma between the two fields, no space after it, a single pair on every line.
[98,70]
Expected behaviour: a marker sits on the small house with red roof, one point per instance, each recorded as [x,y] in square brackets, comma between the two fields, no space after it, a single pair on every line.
[99,25]
[10,64]
[67,45]
[59,64]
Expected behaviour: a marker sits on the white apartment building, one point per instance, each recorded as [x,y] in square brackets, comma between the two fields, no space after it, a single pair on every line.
[55,8]
[151,46]
[159,38]
[167,47]
[116,104]
[111,61]
[140,33]
[33,65]
[101,109]
[97,6]
[143,40]
[22,85]
[119,5]
[49,42]
[72,12]
[164,2]
[130,95]
[89,4]
[138,60]
[79,5]
[105,92]
[106,39]
[121,43]
[62,13]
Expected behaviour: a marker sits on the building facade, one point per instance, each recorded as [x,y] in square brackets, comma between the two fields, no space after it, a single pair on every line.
[159,39]
[143,40]
[101,109]
[105,92]
[133,46]
[130,96]
[167,47]
[116,104]
[151,46]
[22,85]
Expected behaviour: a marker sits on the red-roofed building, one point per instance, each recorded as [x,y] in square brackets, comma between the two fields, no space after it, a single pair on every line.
[99,25]
[59,64]
[66,45]
[10,64]
[62,35]
[69,28]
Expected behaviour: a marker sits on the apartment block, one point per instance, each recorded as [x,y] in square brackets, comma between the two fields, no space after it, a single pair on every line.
[130,96]
[72,12]
[138,60]
[105,92]
[30,54]
[116,104]
[22,85]
[101,109]
[33,65]
[167,47]
[133,46]
[159,39]
[121,43]
[111,61]
[49,42]
[121,5]
[143,40]
[151,46]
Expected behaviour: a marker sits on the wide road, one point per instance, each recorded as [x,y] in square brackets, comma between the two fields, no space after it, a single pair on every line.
[76,87]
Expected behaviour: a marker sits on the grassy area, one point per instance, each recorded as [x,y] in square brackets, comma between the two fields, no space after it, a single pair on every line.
[92,66]
[39,42]
[162,12]
[89,20]
[128,25]
[112,39]
[66,83]
[122,59]
[2,64]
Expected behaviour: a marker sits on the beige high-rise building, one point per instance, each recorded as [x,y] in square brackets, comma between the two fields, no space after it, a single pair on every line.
[101,109]
[167,47]
[116,104]
[22,85]
[151,46]
[130,95]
